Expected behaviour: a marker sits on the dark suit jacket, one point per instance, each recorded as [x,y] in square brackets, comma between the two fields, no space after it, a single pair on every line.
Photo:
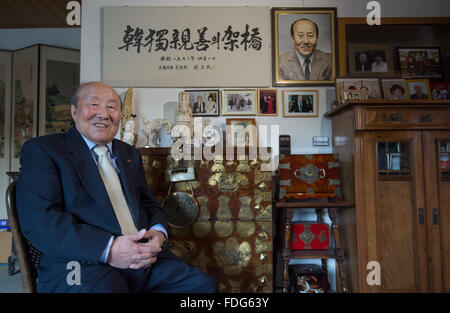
[419,96]
[196,108]
[291,69]
[63,206]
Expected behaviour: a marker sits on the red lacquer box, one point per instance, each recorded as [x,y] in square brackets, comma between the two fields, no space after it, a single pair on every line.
[310,236]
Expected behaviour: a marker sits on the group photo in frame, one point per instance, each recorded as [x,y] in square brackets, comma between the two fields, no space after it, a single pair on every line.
[304,46]
[300,103]
[268,102]
[418,89]
[239,102]
[420,62]
[241,132]
[440,90]
[204,102]
[370,60]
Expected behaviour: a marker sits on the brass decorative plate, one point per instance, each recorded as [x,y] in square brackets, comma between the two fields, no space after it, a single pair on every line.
[181,209]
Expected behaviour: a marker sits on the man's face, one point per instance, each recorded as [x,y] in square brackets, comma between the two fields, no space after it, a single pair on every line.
[305,37]
[199,98]
[418,89]
[97,115]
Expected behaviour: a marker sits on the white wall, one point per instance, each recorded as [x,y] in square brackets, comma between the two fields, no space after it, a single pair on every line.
[159,102]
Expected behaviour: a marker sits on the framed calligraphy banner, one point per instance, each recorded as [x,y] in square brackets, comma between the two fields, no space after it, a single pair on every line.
[186,46]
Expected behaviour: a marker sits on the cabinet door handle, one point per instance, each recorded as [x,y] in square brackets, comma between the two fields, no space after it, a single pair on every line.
[322,173]
[421,217]
[435,216]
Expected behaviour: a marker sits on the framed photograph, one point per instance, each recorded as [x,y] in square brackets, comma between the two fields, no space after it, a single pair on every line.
[440,91]
[59,77]
[300,103]
[268,102]
[418,89]
[370,60]
[370,87]
[420,62]
[242,132]
[394,89]
[204,102]
[304,60]
[239,102]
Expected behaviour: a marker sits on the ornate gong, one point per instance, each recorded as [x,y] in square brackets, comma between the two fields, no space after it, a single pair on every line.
[181,209]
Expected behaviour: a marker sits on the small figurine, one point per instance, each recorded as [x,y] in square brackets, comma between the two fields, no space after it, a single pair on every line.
[129,133]
[151,130]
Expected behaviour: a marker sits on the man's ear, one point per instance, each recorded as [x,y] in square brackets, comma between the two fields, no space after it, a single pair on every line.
[73,111]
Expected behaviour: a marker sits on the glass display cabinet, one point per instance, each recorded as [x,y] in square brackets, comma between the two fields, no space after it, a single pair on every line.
[395,165]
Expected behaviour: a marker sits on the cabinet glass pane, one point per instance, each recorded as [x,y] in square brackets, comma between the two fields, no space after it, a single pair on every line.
[394,158]
[444,159]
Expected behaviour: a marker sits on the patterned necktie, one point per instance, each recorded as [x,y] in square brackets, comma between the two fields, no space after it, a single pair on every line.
[115,192]
[307,72]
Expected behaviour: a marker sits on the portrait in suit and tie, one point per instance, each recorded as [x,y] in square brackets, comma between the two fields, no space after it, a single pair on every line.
[82,197]
[204,102]
[300,103]
[304,46]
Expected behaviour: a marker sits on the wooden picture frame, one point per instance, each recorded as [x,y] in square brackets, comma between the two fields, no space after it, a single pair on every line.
[268,102]
[210,102]
[418,88]
[59,77]
[288,70]
[369,86]
[309,103]
[241,102]
[370,60]
[235,137]
[420,62]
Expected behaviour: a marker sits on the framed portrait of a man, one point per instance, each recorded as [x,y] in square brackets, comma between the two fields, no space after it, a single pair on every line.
[304,46]
[300,103]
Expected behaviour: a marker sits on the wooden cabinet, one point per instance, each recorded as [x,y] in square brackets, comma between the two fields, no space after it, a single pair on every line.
[231,237]
[394,159]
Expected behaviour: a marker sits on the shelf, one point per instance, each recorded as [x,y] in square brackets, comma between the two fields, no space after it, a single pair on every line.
[375,102]
[382,177]
[313,254]
[307,205]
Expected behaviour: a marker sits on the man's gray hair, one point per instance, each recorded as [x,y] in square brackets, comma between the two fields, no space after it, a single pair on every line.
[76,94]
